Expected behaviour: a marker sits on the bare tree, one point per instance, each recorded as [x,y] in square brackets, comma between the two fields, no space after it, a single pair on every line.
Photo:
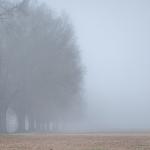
[8,8]
[43,76]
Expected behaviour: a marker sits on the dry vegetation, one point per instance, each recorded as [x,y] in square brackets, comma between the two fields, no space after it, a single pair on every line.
[76,142]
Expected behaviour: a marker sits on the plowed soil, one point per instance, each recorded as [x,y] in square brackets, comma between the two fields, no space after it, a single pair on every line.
[88,141]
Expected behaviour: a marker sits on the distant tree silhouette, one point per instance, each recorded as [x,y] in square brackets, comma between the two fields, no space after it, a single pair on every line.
[41,71]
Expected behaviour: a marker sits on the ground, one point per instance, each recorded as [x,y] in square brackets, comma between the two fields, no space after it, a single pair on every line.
[86,141]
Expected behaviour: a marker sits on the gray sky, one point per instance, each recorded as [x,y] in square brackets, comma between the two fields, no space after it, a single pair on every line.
[114,37]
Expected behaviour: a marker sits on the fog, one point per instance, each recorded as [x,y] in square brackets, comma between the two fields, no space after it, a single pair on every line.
[74,65]
[114,40]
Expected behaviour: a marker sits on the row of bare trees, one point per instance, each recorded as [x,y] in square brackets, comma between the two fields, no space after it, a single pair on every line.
[40,67]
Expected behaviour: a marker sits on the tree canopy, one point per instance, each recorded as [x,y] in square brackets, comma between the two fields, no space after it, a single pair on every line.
[40,67]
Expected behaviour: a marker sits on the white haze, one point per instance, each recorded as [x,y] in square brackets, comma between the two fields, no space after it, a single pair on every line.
[114,38]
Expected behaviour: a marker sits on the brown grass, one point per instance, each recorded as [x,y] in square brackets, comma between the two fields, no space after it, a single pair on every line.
[75,142]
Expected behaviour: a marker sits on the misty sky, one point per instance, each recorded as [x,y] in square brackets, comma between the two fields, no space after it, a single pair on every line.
[114,38]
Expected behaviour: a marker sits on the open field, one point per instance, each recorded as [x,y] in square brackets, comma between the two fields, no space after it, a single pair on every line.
[87,141]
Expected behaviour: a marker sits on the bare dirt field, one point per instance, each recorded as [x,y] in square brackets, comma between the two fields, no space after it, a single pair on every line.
[89,141]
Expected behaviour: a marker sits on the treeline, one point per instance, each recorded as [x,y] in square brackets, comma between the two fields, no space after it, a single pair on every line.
[40,67]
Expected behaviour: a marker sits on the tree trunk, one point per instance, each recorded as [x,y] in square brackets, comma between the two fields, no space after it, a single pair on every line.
[31,124]
[3,120]
[21,123]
